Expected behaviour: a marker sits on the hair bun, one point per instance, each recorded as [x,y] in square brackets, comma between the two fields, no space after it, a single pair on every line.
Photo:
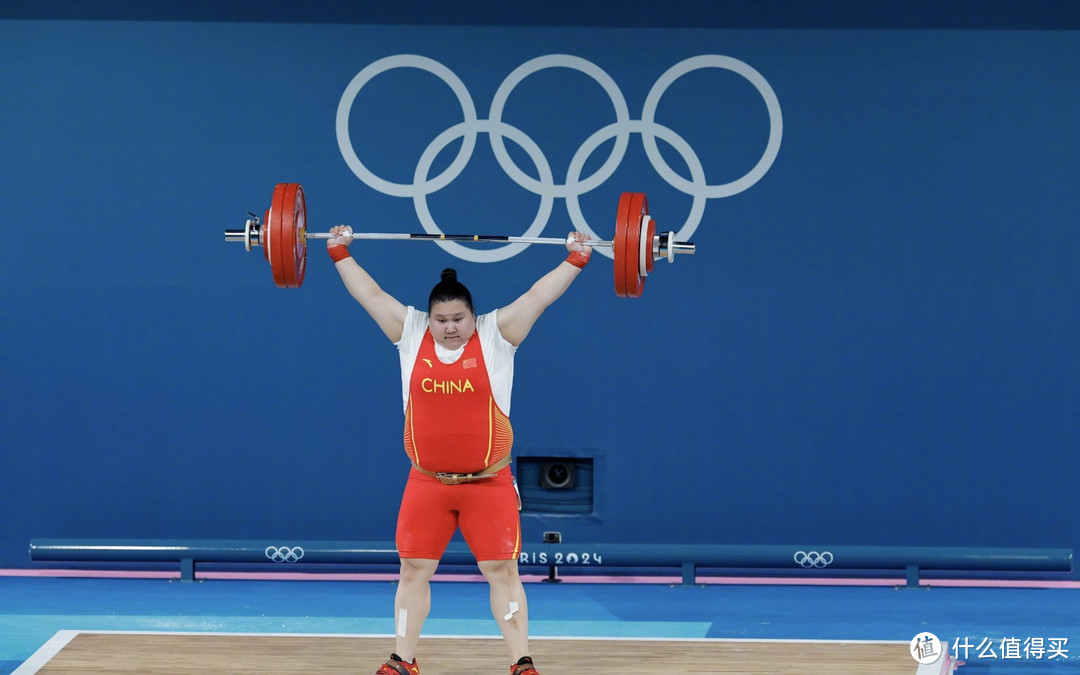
[449,289]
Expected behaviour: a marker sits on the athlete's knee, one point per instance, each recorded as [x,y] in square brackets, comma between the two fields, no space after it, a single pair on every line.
[500,571]
[417,570]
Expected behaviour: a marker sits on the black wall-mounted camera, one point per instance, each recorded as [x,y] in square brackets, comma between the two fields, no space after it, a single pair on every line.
[557,475]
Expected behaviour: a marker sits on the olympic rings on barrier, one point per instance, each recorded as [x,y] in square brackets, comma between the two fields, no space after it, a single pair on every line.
[813,559]
[546,187]
[284,554]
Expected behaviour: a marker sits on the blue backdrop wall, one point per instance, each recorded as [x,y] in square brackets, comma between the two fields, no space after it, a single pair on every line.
[876,343]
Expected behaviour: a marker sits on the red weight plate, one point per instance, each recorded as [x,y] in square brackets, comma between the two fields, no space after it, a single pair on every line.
[274,240]
[618,243]
[633,282]
[293,251]
[300,251]
[287,238]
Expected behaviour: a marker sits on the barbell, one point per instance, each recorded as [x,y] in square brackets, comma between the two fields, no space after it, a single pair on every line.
[283,236]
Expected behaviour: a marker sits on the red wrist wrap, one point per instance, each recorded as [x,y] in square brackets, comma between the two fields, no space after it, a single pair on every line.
[338,252]
[578,259]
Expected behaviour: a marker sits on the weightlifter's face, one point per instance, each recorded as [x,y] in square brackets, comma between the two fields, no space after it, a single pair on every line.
[451,323]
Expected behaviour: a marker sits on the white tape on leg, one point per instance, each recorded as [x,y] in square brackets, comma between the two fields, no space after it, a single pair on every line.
[513,611]
[402,621]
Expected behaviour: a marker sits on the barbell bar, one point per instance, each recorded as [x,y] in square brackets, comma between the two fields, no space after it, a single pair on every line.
[283,237]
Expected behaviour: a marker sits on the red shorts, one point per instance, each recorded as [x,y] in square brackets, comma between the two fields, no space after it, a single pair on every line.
[485,510]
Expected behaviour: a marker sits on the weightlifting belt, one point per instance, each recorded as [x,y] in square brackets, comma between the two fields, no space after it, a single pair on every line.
[458,478]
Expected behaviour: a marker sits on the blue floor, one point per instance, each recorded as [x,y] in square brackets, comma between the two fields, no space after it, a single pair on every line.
[33,609]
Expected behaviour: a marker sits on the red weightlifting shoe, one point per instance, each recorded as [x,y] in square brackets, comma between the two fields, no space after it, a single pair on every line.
[395,666]
[524,667]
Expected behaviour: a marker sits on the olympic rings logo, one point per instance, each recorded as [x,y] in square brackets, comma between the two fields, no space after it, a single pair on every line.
[574,184]
[284,554]
[813,559]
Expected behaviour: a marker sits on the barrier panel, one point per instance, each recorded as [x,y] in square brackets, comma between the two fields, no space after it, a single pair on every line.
[609,557]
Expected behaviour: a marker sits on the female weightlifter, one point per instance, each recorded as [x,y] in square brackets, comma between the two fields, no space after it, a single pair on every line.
[457,370]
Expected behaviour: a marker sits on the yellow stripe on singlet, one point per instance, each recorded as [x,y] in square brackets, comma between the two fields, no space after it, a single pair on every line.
[491,432]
